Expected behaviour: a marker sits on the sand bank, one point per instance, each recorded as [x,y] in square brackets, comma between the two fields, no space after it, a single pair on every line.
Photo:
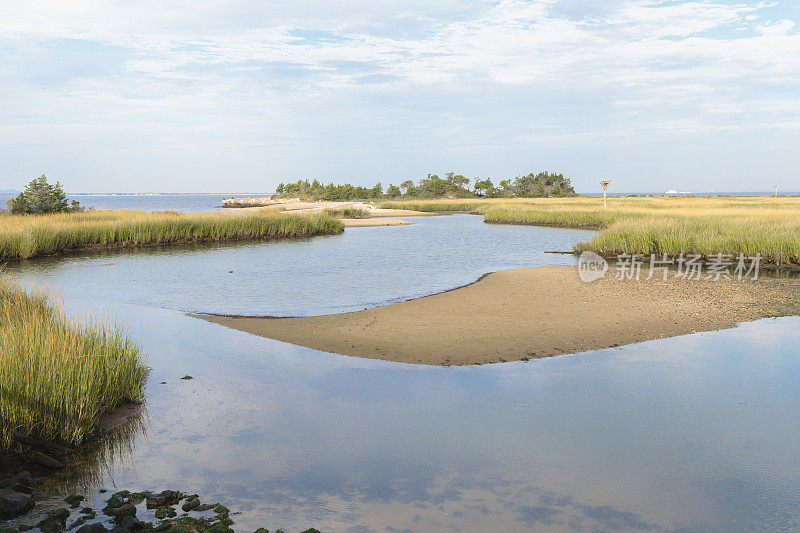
[530,313]
[371,222]
[295,205]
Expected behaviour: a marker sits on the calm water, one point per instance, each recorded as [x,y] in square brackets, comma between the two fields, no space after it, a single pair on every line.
[360,268]
[189,203]
[696,433]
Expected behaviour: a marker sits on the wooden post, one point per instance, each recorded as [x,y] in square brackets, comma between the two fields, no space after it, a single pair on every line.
[604,183]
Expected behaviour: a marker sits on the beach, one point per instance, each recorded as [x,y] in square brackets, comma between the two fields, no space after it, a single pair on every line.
[530,313]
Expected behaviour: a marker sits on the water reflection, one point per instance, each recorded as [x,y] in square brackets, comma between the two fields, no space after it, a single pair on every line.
[92,463]
[696,433]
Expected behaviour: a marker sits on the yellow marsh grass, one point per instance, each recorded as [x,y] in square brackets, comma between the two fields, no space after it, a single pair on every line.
[57,375]
[22,237]
[654,225]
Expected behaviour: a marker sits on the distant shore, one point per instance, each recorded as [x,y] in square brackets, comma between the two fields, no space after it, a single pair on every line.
[530,313]
[372,216]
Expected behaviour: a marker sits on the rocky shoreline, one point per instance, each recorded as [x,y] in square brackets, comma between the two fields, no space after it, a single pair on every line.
[32,490]
[125,512]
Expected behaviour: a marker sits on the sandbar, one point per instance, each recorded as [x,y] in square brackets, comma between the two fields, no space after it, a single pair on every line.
[528,313]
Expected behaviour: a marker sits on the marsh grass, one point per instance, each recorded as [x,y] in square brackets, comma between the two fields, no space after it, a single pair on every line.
[347,212]
[23,237]
[475,207]
[58,375]
[654,225]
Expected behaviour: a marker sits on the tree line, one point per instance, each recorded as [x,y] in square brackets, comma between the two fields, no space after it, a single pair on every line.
[452,185]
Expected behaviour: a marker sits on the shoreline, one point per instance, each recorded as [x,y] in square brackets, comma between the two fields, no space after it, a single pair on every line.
[528,313]
[373,222]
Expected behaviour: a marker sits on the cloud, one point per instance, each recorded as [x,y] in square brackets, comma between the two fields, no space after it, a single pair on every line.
[293,73]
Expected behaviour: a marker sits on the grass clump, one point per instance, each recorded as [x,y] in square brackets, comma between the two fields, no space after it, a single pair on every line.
[23,237]
[347,212]
[58,376]
[474,207]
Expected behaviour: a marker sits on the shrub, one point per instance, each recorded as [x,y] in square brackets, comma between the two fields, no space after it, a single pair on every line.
[40,198]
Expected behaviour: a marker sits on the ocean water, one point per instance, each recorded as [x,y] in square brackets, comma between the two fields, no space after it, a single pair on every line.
[189,203]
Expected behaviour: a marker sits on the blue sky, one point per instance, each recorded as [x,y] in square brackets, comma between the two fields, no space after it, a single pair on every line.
[211,95]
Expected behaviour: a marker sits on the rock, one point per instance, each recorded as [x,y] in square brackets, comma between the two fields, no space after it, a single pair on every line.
[221,509]
[46,460]
[54,522]
[74,500]
[77,523]
[130,523]
[153,501]
[137,497]
[14,504]
[187,376]
[21,487]
[172,497]
[167,497]
[92,528]
[89,512]
[113,503]
[44,445]
[22,479]
[191,505]
[126,509]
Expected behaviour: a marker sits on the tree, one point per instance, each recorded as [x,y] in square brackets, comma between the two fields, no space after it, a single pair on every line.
[543,184]
[40,197]
[483,187]
[393,191]
[408,185]
[457,179]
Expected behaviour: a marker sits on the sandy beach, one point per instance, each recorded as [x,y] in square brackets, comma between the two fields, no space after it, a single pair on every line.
[377,217]
[530,313]
[295,205]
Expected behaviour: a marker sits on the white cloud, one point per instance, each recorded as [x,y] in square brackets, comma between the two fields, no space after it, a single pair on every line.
[188,69]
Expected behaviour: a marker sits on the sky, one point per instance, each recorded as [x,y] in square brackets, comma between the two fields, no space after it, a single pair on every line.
[227,96]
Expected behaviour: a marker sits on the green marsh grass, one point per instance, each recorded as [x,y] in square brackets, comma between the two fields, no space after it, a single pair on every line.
[705,225]
[347,212]
[23,237]
[58,375]
[474,207]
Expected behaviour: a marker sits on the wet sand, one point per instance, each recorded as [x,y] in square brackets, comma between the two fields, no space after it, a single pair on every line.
[530,313]
[371,222]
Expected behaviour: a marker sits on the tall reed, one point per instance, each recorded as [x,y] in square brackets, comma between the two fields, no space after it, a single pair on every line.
[347,212]
[59,375]
[23,237]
